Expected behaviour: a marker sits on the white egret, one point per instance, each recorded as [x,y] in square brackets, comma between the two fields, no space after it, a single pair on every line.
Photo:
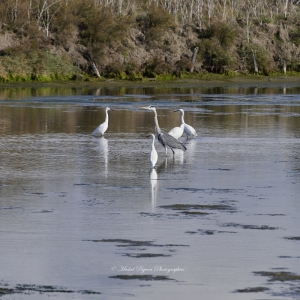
[177,132]
[153,153]
[154,187]
[99,131]
[188,129]
[165,139]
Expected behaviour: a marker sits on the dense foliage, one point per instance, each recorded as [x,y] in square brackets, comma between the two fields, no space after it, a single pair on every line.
[61,39]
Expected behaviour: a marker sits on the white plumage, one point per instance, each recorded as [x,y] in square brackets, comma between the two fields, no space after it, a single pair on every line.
[177,132]
[99,131]
[188,129]
[153,153]
[165,139]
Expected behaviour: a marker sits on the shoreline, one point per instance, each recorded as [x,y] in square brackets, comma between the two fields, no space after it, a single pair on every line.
[213,81]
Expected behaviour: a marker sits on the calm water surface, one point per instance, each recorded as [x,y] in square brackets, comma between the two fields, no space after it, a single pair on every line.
[85,218]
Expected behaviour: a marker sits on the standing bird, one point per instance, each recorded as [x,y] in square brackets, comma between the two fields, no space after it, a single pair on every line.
[177,132]
[99,131]
[163,137]
[153,154]
[188,129]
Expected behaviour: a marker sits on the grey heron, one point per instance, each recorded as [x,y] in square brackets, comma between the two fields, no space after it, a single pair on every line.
[188,129]
[99,131]
[153,153]
[165,139]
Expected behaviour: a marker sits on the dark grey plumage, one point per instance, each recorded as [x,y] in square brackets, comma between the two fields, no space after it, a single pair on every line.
[165,139]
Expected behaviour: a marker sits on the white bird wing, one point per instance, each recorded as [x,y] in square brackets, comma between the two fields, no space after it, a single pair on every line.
[189,130]
[176,132]
[100,129]
[153,157]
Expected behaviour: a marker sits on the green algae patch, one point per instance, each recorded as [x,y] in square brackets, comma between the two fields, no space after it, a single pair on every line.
[145,255]
[194,213]
[42,289]
[125,242]
[279,276]
[258,289]
[257,227]
[208,232]
[188,207]
[141,277]
[132,243]
[293,238]
[6,291]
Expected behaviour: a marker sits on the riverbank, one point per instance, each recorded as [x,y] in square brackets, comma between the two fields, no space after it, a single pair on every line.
[209,80]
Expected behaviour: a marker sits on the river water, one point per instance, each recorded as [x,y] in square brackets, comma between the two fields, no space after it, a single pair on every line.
[83,217]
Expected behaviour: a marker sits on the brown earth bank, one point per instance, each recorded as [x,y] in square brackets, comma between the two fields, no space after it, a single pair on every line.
[82,39]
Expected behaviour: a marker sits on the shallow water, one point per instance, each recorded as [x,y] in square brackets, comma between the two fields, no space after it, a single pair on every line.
[85,218]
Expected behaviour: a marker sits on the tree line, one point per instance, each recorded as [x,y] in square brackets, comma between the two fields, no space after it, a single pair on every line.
[95,24]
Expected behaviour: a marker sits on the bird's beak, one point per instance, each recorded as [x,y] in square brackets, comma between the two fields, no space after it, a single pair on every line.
[176,110]
[144,107]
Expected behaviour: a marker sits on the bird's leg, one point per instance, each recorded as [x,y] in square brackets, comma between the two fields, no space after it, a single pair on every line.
[166,151]
[173,153]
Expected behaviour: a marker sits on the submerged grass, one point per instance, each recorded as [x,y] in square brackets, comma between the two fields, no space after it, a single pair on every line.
[252,290]
[141,277]
[132,243]
[43,289]
[186,207]
[262,227]
[293,238]
[144,255]
[279,276]
[6,291]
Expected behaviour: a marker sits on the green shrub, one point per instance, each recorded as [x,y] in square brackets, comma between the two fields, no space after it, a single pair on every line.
[222,32]
[264,61]
[99,27]
[295,36]
[156,67]
[35,64]
[183,65]
[215,58]
[154,22]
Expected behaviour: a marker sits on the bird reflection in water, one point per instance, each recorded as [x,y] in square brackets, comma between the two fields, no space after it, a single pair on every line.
[103,152]
[154,187]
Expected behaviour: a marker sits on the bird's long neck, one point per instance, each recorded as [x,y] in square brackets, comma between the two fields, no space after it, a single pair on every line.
[182,117]
[157,128]
[106,116]
[153,142]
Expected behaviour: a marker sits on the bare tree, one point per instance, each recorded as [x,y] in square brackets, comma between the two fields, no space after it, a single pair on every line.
[284,66]
[45,15]
[210,7]
[194,59]
[254,62]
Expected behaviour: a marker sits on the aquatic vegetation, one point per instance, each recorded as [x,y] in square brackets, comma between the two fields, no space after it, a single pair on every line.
[262,227]
[5,291]
[141,277]
[131,243]
[194,213]
[187,207]
[252,290]
[143,255]
[208,232]
[293,238]
[42,289]
[209,190]
[279,276]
